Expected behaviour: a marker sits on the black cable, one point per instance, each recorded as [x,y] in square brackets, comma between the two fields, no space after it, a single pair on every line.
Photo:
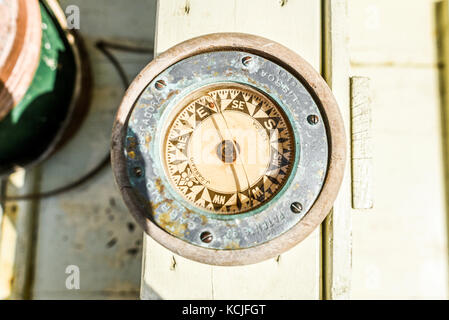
[103,47]
[124,47]
[65,188]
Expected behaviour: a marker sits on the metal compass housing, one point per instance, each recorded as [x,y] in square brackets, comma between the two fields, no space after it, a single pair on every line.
[223,151]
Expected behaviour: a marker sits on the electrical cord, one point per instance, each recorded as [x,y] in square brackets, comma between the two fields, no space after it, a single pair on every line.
[104,47]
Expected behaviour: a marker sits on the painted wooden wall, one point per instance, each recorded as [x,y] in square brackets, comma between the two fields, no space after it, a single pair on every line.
[399,248]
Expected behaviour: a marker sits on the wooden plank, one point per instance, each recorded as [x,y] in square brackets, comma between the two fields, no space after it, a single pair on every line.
[337,246]
[362,145]
[296,24]
[296,274]
[400,248]
[18,237]
[372,41]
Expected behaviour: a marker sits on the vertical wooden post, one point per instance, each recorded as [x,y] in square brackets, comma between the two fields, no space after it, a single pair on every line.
[296,274]
[337,226]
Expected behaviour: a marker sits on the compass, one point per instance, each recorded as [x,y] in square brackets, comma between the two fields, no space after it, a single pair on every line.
[228,149]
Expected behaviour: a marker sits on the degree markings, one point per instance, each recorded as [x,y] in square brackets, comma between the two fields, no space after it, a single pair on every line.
[186,179]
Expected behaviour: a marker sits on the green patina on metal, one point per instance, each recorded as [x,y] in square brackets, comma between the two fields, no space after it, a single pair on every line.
[29,130]
[150,118]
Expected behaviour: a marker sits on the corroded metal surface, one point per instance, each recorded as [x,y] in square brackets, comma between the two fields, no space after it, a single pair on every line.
[278,73]
[147,125]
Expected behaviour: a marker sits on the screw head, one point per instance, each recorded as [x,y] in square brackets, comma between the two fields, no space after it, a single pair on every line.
[313,119]
[160,84]
[247,60]
[206,237]
[296,207]
[138,171]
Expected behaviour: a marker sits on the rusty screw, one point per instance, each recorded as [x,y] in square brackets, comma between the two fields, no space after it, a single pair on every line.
[296,207]
[313,119]
[247,60]
[206,237]
[138,171]
[160,84]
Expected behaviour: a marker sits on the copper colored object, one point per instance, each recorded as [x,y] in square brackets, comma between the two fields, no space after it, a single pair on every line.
[20,41]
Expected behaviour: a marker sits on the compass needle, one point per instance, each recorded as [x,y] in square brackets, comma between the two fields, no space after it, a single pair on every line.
[237,150]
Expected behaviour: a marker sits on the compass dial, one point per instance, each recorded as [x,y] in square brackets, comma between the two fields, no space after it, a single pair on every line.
[228,149]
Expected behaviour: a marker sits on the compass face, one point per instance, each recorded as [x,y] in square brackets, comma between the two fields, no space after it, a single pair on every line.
[228,149]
